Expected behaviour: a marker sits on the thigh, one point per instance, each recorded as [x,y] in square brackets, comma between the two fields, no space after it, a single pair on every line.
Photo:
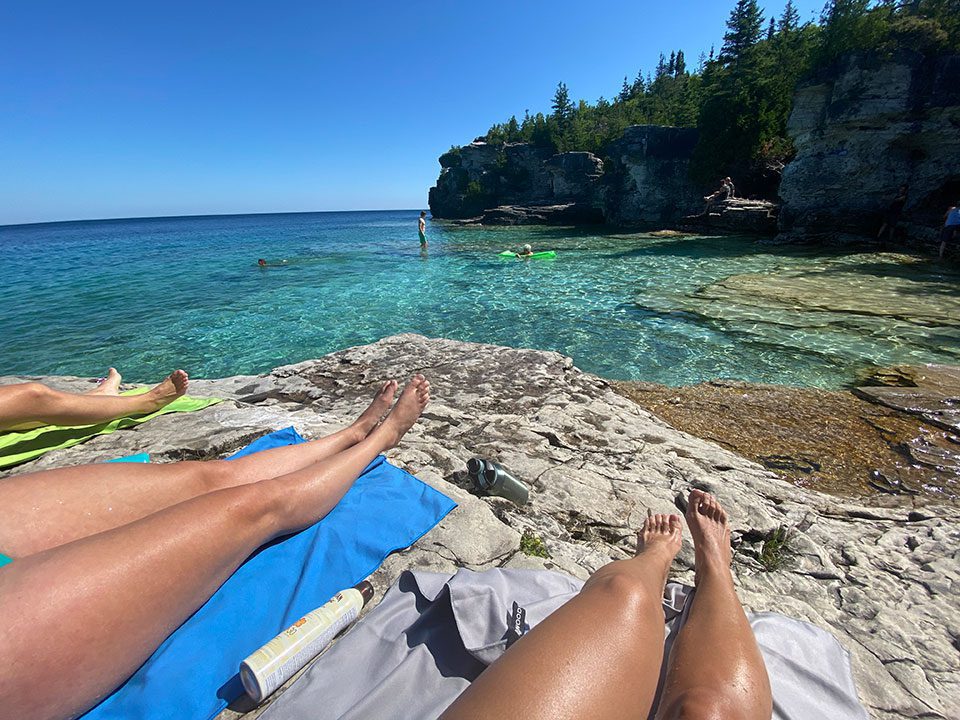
[44,509]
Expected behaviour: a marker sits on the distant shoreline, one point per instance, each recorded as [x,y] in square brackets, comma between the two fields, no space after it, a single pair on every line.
[210,215]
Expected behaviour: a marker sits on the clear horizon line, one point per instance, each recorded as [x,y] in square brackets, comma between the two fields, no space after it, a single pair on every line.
[201,215]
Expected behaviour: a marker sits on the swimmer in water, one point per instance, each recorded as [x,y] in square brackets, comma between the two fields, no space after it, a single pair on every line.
[261,262]
[526,252]
[422,228]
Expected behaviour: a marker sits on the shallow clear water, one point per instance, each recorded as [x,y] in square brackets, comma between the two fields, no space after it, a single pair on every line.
[150,295]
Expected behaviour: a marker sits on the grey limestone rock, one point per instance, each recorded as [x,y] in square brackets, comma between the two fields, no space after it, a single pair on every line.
[884,581]
[860,131]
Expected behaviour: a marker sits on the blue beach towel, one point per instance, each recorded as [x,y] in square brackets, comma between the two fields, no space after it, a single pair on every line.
[193,674]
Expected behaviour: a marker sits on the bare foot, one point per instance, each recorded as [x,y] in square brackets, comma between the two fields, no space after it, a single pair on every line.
[169,390]
[110,385]
[707,521]
[660,534]
[413,400]
[370,417]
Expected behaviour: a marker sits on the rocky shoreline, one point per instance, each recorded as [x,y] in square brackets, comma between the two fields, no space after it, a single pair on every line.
[860,129]
[883,579]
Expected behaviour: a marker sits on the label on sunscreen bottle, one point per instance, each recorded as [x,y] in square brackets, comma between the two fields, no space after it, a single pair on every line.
[277,661]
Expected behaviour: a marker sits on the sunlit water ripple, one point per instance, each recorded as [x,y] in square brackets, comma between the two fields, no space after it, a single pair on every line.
[150,295]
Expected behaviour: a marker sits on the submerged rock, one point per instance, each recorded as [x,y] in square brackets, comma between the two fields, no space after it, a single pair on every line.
[834,441]
[883,580]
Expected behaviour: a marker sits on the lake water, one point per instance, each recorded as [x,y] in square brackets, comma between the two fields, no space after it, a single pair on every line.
[154,294]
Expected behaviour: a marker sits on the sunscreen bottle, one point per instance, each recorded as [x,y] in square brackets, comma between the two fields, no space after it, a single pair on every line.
[277,661]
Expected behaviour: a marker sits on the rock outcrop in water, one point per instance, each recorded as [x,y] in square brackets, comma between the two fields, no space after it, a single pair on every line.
[644,181]
[860,131]
[883,580]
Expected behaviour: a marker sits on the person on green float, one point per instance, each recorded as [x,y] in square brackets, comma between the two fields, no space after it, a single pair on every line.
[422,228]
[526,252]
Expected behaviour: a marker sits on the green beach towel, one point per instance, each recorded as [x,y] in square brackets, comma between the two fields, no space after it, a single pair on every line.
[19,447]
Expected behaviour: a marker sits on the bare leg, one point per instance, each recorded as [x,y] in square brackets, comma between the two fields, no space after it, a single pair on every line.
[30,405]
[715,670]
[148,576]
[110,384]
[53,507]
[598,656]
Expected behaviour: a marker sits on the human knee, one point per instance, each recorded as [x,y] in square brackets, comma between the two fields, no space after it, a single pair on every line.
[698,704]
[34,392]
[625,589]
[213,474]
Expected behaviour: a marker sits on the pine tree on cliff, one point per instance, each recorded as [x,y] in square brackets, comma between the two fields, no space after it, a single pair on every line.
[849,25]
[790,20]
[680,68]
[743,31]
[562,107]
[625,91]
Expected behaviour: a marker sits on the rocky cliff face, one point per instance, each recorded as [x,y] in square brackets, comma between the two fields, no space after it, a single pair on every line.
[645,180]
[648,178]
[861,131]
[883,580]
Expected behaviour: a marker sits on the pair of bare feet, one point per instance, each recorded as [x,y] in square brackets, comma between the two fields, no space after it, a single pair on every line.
[172,387]
[401,418]
[661,536]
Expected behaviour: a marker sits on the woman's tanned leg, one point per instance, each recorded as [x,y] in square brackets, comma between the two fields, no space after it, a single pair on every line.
[715,669]
[598,656]
[113,597]
[53,507]
[29,405]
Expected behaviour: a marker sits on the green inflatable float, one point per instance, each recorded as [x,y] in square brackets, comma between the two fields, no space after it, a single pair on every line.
[535,256]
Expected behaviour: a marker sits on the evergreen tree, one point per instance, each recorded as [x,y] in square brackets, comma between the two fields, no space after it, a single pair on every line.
[562,107]
[681,65]
[672,63]
[661,68]
[625,91]
[639,86]
[743,30]
[790,20]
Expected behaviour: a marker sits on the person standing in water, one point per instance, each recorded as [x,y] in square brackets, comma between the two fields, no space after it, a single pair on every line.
[422,228]
[892,216]
[951,227]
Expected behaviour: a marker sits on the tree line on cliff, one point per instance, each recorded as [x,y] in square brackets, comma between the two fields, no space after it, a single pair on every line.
[740,98]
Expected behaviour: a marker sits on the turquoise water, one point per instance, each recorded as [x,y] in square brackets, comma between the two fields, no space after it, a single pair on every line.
[150,295]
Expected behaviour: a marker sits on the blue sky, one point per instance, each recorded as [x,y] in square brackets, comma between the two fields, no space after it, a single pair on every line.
[126,109]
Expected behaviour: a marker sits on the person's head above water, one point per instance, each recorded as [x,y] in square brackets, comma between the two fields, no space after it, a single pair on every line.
[423,213]
[261,262]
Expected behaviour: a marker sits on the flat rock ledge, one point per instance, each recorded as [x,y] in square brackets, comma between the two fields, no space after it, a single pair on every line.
[884,581]
[573,213]
[736,215]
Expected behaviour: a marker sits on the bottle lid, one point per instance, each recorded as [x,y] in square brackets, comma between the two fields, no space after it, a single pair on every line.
[365,589]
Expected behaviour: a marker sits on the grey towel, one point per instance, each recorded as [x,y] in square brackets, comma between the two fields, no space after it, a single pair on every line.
[433,634]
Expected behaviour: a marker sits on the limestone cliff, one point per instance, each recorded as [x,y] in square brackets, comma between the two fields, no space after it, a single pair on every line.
[862,129]
[643,180]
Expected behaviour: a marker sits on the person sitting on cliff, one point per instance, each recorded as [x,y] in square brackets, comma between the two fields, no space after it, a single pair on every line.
[599,655]
[725,192]
[951,226]
[25,406]
[526,252]
[117,556]
[892,216]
